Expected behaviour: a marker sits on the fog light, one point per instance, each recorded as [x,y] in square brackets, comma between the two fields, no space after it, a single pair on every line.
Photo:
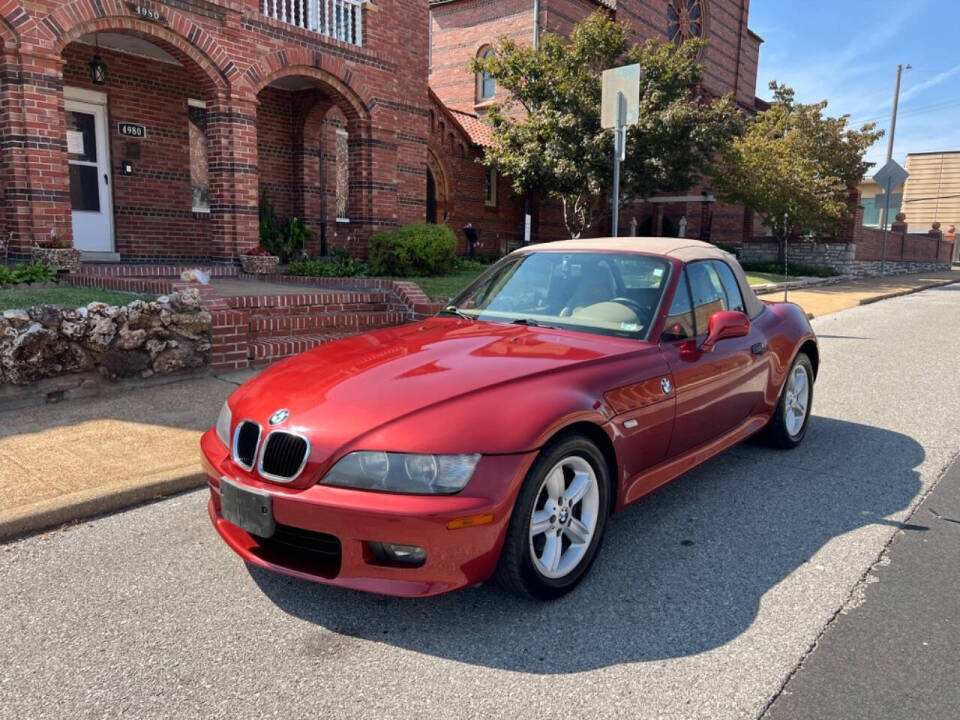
[393,554]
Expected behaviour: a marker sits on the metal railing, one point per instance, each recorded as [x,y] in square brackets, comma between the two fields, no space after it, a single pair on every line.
[338,19]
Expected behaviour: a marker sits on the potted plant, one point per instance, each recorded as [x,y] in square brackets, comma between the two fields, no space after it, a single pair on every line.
[258,261]
[57,252]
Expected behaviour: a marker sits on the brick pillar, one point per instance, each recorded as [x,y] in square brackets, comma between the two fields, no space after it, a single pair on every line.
[36,174]
[234,188]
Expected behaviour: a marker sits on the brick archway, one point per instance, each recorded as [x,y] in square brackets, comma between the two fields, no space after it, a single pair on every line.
[441,184]
[207,71]
[339,91]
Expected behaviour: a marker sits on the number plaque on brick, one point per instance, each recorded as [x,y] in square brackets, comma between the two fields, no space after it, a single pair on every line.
[131,130]
[146,12]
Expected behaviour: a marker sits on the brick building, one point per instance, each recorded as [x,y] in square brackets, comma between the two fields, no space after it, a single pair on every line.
[320,105]
[463,191]
[322,108]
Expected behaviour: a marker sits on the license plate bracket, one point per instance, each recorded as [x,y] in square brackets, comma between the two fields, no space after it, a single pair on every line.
[250,510]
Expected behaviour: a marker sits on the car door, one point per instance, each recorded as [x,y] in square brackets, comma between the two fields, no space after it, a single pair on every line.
[717,390]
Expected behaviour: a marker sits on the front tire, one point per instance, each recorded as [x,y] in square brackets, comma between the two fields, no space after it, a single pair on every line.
[558,520]
[789,422]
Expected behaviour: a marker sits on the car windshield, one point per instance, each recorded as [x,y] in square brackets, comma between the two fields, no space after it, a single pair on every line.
[607,293]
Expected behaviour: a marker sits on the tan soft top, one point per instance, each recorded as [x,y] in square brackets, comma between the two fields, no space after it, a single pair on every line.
[681,249]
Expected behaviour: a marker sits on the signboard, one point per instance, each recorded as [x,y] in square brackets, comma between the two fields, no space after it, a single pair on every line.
[625,80]
[132,130]
[526,228]
[892,175]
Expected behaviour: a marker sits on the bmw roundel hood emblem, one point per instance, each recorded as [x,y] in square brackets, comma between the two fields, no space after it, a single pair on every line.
[278,417]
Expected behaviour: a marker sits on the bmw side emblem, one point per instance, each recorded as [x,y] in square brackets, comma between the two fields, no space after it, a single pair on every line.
[278,417]
[665,385]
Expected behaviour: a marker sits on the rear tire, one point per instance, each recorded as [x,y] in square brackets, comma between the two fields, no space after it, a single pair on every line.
[558,520]
[788,425]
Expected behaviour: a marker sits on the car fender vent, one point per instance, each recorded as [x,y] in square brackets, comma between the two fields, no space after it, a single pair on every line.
[284,456]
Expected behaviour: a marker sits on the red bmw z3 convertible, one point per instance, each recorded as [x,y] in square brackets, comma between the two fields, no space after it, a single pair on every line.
[496,439]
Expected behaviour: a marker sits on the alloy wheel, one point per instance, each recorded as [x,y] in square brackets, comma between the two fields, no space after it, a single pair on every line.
[564,517]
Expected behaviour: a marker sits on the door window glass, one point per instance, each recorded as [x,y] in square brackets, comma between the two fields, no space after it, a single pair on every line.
[730,286]
[82,137]
[84,188]
[707,291]
[679,324]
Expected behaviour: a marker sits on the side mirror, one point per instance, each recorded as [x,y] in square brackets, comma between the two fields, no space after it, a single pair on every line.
[725,324]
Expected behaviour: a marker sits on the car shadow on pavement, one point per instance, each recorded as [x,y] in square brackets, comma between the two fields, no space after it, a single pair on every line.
[681,572]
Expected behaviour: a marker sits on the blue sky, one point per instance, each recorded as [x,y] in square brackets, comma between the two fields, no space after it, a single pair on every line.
[847,51]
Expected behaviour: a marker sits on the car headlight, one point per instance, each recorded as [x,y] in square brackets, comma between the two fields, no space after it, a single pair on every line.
[223,424]
[403,473]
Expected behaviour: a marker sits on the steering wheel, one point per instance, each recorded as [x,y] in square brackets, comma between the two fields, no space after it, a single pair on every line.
[637,308]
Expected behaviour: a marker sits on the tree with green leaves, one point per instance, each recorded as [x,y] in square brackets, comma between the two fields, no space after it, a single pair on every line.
[547,137]
[794,166]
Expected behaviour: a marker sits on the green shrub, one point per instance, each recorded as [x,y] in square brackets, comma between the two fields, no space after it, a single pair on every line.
[727,247]
[28,273]
[341,265]
[280,236]
[413,250]
[796,269]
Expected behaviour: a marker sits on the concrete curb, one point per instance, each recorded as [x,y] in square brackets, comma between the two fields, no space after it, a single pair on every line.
[910,291]
[770,288]
[86,504]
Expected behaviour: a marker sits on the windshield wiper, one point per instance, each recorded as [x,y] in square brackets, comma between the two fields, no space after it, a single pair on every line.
[454,310]
[532,323]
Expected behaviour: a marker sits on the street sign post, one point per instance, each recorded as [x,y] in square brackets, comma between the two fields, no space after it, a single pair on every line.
[889,177]
[619,108]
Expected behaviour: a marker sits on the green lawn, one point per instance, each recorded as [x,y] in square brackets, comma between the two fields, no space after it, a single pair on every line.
[69,297]
[759,278]
[444,287]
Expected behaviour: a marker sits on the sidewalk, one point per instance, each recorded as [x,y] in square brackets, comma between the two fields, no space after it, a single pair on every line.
[826,299]
[81,458]
[85,457]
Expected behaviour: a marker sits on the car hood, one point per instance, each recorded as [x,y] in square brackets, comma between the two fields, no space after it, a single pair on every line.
[339,392]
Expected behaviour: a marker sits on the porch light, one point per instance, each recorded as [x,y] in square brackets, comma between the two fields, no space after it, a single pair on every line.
[98,70]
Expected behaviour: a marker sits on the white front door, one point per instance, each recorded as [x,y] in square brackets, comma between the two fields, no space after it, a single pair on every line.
[89,158]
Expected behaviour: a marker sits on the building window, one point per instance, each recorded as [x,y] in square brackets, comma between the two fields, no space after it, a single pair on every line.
[685,20]
[490,187]
[199,174]
[343,176]
[485,83]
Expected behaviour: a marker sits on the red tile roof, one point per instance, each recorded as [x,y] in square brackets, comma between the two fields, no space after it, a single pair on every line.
[478,131]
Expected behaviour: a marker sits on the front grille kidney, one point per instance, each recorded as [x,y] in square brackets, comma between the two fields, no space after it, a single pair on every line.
[283,455]
[248,437]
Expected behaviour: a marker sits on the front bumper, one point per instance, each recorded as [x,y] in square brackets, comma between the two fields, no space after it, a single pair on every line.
[455,558]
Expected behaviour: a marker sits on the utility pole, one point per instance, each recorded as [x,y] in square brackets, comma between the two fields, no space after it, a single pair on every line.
[888,189]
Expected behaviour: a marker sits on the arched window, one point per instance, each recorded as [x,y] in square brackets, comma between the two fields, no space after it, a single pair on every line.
[485,83]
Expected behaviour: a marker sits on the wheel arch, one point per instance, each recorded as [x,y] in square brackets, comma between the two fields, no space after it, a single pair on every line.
[812,351]
[596,434]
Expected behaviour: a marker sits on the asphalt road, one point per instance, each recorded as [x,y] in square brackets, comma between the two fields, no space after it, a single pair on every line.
[705,598]
[893,652]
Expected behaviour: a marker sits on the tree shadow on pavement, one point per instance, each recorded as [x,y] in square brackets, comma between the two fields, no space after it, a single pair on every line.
[681,572]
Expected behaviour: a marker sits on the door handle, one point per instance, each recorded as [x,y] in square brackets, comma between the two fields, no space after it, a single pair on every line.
[758,348]
[106,179]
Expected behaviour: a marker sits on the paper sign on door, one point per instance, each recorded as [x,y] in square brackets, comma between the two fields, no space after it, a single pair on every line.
[75,142]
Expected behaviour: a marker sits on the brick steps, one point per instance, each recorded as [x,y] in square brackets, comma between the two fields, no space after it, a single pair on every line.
[267,350]
[313,323]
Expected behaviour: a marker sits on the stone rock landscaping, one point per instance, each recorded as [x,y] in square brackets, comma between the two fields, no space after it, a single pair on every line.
[144,338]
